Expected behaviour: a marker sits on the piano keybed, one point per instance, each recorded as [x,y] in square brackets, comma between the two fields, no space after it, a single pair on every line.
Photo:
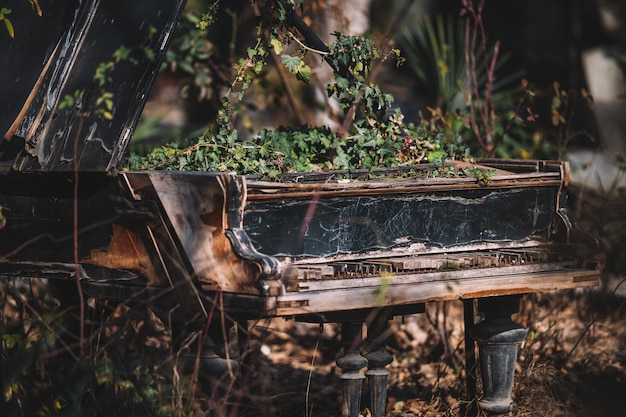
[424,263]
[308,286]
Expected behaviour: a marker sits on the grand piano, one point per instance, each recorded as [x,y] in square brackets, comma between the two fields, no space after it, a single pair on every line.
[351,247]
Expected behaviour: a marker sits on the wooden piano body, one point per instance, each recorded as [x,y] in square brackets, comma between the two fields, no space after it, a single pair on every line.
[331,246]
[325,245]
[306,248]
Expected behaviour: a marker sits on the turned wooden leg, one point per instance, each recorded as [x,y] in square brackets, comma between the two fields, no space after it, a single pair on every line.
[498,338]
[351,363]
[377,360]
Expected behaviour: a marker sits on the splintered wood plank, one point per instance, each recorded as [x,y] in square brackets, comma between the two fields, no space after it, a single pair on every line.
[198,235]
[195,209]
[266,191]
[436,276]
[385,294]
[13,128]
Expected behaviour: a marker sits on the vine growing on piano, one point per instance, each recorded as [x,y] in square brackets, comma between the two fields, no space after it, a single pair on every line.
[366,132]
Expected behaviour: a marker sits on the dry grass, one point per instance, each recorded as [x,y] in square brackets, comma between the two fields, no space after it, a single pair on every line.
[571,364]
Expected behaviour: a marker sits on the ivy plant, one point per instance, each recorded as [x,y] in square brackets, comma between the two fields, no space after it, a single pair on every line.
[373,134]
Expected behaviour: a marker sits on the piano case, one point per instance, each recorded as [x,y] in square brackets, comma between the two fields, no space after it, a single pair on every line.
[311,244]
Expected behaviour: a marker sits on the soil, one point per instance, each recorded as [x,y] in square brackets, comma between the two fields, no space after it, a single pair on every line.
[572,362]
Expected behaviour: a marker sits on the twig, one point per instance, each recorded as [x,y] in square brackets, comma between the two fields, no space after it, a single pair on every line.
[291,98]
[486,112]
[394,24]
[308,382]
[308,48]
[46,323]
[201,341]
[310,37]
[591,323]
[225,336]
[53,239]
[77,268]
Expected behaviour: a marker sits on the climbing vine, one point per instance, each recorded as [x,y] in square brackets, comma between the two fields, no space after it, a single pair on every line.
[372,135]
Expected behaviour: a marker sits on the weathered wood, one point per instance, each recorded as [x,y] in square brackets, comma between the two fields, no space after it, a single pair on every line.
[189,231]
[23,58]
[329,226]
[126,250]
[194,206]
[385,294]
[40,223]
[426,277]
[260,190]
[300,246]
[13,128]
[344,246]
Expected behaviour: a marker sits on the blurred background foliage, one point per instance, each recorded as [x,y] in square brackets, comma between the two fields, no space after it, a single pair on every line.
[542,50]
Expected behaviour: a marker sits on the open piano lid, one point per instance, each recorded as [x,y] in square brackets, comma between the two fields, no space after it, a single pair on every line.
[75,80]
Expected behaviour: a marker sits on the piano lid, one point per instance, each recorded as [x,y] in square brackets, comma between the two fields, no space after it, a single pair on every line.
[75,80]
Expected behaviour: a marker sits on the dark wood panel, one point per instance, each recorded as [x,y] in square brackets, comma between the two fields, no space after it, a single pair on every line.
[53,133]
[330,226]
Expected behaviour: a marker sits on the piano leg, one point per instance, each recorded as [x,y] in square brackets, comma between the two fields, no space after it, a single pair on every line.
[377,360]
[216,374]
[350,363]
[498,338]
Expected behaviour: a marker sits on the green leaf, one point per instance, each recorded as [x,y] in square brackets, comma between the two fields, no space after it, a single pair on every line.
[342,83]
[9,340]
[304,72]
[107,115]
[68,101]
[121,53]
[9,26]
[35,5]
[291,62]
[277,45]
[341,161]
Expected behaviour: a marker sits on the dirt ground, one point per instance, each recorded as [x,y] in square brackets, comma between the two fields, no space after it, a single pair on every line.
[572,362]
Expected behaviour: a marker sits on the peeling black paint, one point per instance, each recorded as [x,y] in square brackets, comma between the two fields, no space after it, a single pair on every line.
[357,224]
[54,136]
